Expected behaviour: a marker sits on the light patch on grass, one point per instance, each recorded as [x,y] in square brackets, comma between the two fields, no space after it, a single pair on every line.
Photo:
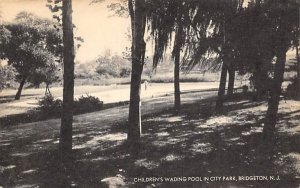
[43,141]
[220,120]
[202,148]
[172,157]
[20,154]
[78,136]
[3,168]
[105,138]
[174,119]
[99,159]
[27,186]
[205,126]
[29,171]
[161,134]
[256,129]
[167,119]
[146,163]
[234,139]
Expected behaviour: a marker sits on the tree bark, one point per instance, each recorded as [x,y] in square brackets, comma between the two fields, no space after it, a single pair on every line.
[18,94]
[221,92]
[176,56]
[231,73]
[269,128]
[177,83]
[68,85]
[138,24]
[298,70]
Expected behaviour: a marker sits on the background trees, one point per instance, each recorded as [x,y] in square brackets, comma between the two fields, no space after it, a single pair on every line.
[30,46]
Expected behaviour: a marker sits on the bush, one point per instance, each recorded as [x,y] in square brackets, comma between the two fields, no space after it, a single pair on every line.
[125,72]
[48,106]
[87,104]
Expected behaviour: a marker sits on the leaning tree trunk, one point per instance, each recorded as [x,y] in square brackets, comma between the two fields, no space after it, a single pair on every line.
[18,94]
[176,56]
[231,73]
[68,85]
[138,24]
[221,92]
[269,128]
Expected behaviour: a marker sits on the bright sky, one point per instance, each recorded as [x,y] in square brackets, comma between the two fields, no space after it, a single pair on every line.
[94,23]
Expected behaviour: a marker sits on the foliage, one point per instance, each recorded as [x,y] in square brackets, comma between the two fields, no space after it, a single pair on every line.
[47,74]
[87,104]
[31,46]
[6,74]
[49,106]
[112,66]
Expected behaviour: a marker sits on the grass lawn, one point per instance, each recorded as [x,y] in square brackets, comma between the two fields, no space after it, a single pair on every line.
[193,144]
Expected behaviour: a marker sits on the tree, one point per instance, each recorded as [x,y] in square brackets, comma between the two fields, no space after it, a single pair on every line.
[210,38]
[283,17]
[47,74]
[138,24]
[31,42]
[165,19]
[65,142]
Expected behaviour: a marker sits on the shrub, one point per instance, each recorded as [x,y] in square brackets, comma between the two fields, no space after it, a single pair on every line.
[87,104]
[48,106]
[125,72]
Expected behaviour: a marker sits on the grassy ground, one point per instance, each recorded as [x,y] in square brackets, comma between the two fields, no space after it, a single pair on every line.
[194,143]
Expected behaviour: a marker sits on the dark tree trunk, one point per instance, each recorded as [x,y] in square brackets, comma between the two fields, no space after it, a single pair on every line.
[269,128]
[221,92]
[68,85]
[18,94]
[298,70]
[177,83]
[231,73]
[47,92]
[176,56]
[138,24]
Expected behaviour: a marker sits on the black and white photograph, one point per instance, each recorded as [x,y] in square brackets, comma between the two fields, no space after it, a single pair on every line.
[149,93]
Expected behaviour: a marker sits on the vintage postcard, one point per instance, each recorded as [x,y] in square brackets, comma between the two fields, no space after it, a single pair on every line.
[149,93]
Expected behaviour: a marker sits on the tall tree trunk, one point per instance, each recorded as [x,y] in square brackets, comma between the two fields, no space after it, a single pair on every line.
[176,56]
[177,83]
[68,85]
[221,92]
[298,70]
[138,24]
[231,73]
[18,94]
[269,128]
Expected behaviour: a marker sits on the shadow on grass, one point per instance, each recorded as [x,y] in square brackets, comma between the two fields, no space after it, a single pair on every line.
[37,115]
[194,143]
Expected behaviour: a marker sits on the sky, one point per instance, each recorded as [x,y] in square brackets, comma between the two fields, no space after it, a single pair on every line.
[100,30]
